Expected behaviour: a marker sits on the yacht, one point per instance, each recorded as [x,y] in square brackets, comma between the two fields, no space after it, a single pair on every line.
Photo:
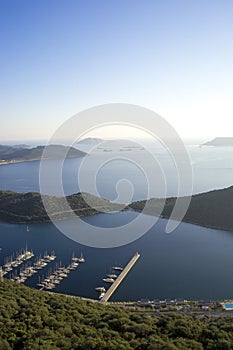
[100,289]
[118,268]
[112,275]
[81,259]
[101,295]
[108,280]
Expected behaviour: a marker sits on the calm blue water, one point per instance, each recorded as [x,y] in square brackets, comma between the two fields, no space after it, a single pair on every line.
[193,262]
[212,168]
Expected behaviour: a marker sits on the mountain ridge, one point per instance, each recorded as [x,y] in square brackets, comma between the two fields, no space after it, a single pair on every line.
[211,209]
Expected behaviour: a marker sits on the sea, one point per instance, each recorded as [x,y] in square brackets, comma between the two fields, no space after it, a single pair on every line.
[191,263]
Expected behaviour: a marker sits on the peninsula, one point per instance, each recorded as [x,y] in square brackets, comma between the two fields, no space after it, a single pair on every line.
[29,208]
[16,154]
[211,209]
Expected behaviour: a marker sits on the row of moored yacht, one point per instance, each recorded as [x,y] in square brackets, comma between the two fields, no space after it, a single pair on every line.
[55,277]
[11,262]
[109,279]
[29,269]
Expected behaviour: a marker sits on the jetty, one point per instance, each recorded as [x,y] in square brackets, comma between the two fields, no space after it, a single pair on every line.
[120,278]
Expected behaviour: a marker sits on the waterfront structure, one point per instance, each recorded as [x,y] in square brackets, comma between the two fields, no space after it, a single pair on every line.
[119,279]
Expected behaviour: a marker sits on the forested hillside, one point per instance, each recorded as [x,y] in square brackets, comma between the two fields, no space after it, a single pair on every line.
[212,209]
[34,320]
[28,207]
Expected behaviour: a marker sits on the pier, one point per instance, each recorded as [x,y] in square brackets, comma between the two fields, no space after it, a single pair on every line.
[120,278]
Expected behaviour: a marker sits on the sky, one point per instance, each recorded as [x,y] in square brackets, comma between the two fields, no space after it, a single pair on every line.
[59,57]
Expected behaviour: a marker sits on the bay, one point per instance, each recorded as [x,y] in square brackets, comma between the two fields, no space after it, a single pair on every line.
[192,262]
[212,169]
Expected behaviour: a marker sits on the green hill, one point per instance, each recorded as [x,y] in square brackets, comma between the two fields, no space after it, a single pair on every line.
[35,320]
[28,207]
[18,153]
[211,209]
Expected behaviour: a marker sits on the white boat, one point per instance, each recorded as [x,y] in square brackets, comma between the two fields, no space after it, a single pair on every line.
[102,295]
[108,280]
[100,289]
[112,275]
[118,268]
[73,265]
[81,259]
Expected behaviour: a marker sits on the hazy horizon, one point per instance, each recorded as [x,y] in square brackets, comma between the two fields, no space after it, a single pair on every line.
[59,58]
[37,142]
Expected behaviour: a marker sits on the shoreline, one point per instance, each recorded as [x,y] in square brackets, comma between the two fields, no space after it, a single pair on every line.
[186,221]
[29,222]
[15,161]
[9,162]
[124,210]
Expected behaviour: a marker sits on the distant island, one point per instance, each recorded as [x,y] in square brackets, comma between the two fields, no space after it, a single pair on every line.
[212,209]
[220,142]
[29,208]
[90,140]
[13,154]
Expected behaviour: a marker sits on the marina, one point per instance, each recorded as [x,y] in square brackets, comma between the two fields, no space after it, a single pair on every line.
[164,258]
[20,268]
[11,262]
[27,269]
[55,277]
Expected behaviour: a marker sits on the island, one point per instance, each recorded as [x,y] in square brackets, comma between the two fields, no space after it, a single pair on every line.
[16,154]
[220,142]
[90,141]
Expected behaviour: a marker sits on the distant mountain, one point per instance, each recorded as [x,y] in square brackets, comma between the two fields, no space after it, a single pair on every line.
[90,140]
[9,153]
[220,142]
[211,209]
[21,146]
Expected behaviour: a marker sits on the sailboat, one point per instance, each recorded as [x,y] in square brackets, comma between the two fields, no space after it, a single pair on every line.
[28,229]
[81,259]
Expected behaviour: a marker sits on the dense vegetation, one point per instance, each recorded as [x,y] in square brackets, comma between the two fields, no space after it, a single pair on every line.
[28,207]
[9,153]
[32,320]
[211,209]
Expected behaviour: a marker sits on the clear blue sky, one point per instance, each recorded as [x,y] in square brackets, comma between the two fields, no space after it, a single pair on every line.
[59,57]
